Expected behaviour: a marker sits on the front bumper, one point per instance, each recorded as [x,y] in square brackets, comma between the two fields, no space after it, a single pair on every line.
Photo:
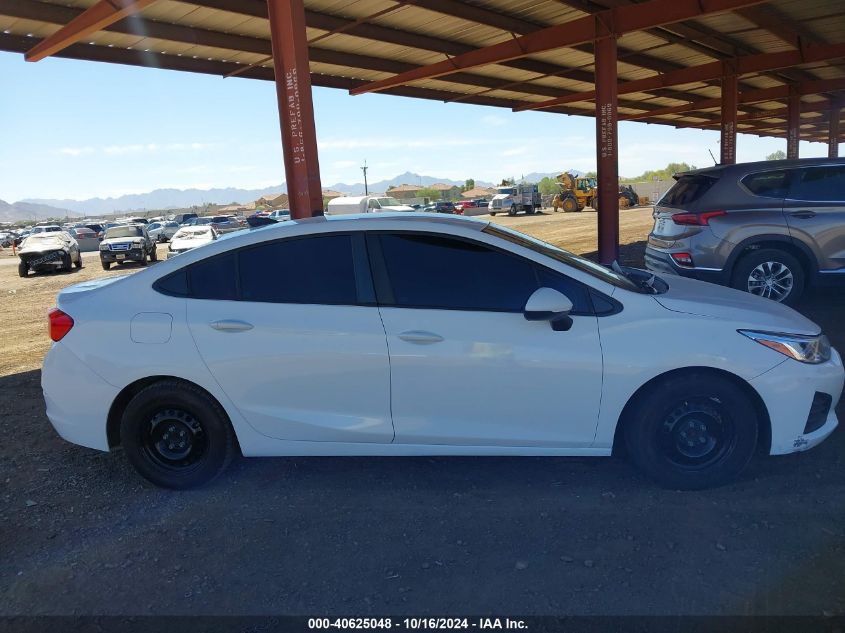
[43,259]
[77,399]
[788,391]
[661,262]
[132,255]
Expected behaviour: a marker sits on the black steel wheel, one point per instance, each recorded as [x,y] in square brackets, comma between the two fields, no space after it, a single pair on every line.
[67,263]
[23,269]
[692,431]
[176,435]
[106,265]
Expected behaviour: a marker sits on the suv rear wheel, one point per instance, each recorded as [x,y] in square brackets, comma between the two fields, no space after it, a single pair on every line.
[770,273]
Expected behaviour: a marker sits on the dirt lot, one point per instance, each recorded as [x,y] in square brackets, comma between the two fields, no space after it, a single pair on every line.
[81,533]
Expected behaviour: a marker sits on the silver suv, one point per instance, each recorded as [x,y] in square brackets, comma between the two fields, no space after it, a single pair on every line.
[770,228]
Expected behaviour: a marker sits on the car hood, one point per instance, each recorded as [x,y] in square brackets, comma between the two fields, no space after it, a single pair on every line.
[690,296]
[121,240]
[42,246]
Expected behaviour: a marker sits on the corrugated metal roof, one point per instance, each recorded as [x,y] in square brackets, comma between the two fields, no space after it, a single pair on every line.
[226,36]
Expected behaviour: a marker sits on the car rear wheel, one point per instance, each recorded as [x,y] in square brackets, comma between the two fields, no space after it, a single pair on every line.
[692,431]
[23,269]
[176,435]
[770,273]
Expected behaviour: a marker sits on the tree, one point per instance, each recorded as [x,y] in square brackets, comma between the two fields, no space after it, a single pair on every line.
[778,155]
[591,174]
[469,184]
[548,186]
[428,192]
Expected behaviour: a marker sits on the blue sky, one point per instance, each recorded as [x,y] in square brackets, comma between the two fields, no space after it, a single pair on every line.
[81,129]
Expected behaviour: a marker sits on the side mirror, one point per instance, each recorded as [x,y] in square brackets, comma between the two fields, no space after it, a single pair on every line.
[547,304]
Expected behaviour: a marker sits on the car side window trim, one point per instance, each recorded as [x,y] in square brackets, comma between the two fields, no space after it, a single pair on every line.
[386,297]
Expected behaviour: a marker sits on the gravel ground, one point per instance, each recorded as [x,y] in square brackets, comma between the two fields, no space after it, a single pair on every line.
[80,533]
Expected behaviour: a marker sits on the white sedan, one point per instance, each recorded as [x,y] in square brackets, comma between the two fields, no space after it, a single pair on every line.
[415,334]
[190,237]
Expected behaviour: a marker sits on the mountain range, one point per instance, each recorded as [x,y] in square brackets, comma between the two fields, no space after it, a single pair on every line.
[43,208]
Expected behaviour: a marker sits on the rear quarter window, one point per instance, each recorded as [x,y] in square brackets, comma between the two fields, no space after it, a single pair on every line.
[686,190]
[768,184]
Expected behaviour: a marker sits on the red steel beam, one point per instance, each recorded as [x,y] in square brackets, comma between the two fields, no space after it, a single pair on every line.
[833,134]
[296,109]
[793,122]
[705,72]
[94,18]
[783,113]
[746,97]
[607,149]
[730,97]
[625,19]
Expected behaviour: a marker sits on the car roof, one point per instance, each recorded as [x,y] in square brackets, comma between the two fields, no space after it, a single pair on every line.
[763,164]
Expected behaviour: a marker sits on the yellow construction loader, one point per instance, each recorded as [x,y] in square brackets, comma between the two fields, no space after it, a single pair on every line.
[576,193]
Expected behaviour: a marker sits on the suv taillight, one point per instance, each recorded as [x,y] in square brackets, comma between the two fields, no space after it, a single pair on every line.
[60,324]
[696,219]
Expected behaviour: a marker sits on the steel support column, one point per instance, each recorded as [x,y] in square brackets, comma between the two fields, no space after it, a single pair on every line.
[296,109]
[606,148]
[793,122]
[833,133]
[730,98]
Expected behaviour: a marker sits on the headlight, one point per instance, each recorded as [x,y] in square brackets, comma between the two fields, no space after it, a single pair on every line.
[805,349]
[104,247]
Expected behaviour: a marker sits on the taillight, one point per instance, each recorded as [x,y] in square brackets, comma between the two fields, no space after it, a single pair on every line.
[60,324]
[696,219]
[682,259]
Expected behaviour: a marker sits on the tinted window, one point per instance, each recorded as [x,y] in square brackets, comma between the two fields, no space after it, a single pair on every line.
[214,278]
[686,190]
[770,184]
[823,184]
[308,270]
[175,284]
[439,272]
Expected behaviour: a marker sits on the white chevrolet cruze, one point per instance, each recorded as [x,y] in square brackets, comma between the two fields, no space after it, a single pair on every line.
[415,334]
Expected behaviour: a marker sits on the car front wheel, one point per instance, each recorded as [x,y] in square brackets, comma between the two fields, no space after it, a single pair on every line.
[23,269]
[770,273]
[176,435]
[692,431]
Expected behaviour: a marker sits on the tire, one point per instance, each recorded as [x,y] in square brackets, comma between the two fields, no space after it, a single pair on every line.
[493,213]
[23,269]
[176,436]
[78,262]
[512,210]
[143,260]
[692,431]
[154,254]
[106,265]
[783,269]
[570,205]
[67,264]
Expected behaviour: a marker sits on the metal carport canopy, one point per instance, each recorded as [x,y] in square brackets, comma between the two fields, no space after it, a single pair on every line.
[779,63]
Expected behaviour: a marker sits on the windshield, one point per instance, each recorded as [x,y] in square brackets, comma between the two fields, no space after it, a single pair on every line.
[505,190]
[389,202]
[565,257]
[123,231]
[190,233]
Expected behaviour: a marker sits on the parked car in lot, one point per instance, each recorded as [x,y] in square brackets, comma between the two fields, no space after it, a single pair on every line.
[769,228]
[197,221]
[46,228]
[441,206]
[225,224]
[356,352]
[190,237]
[280,215]
[48,250]
[162,231]
[127,243]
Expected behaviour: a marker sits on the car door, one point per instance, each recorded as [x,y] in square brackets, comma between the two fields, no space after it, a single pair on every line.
[467,368]
[290,331]
[815,213]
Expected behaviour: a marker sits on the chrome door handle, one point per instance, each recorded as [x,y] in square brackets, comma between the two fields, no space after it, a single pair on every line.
[231,325]
[420,337]
[803,214]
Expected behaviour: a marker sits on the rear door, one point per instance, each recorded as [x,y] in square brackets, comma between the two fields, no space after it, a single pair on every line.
[291,332]
[815,213]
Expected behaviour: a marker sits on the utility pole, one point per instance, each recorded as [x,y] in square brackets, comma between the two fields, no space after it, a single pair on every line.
[364,169]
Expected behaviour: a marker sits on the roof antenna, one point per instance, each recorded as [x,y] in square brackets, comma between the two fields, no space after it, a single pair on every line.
[711,156]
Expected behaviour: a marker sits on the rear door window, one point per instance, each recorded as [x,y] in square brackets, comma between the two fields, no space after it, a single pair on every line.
[686,190]
[819,184]
[768,184]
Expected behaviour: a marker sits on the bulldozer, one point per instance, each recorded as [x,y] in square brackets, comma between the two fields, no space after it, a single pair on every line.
[576,193]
